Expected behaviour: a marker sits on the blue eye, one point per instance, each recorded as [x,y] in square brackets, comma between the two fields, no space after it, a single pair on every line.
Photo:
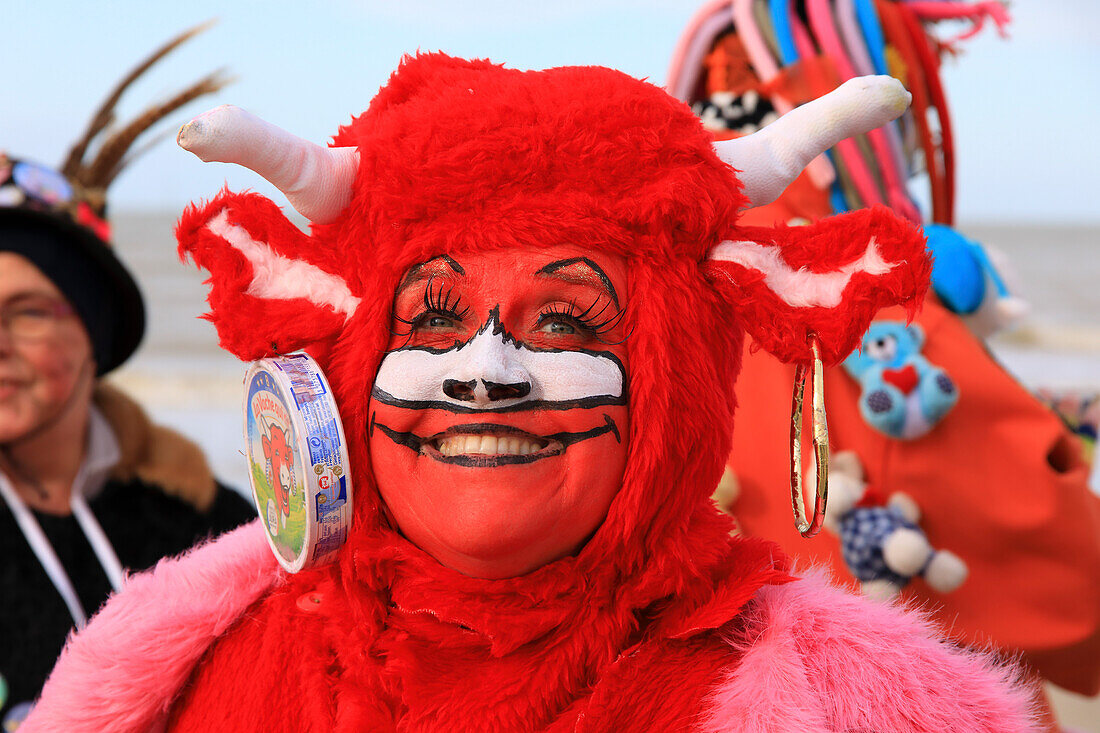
[557,326]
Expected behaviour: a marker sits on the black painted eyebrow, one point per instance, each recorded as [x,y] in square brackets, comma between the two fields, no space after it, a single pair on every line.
[553,267]
[454,265]
[411,275]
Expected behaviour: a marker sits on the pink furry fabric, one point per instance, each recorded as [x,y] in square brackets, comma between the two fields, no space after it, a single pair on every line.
[164,620]
[814,658]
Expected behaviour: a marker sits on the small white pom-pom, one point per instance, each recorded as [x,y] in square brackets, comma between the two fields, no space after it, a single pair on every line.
[905,551]
[879,590]
[946,571]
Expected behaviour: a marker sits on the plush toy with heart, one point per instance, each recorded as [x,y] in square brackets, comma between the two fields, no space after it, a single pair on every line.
[902,393]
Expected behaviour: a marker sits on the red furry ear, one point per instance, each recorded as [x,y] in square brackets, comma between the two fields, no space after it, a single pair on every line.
[825,280]
[273,290]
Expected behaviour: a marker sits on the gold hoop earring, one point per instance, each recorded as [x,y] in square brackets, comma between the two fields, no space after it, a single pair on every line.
[809,528]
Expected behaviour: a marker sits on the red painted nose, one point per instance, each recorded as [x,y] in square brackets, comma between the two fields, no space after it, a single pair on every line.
[904,379]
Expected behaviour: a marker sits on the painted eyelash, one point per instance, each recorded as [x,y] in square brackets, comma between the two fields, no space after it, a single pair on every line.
[436,302]
[589,319]
[442,304]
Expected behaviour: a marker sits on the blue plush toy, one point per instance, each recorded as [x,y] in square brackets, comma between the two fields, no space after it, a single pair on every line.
[968,284]
[902,394]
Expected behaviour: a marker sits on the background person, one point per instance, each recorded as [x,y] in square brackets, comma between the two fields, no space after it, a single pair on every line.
[91,489]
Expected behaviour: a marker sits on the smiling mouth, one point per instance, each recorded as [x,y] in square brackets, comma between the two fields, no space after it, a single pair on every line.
[9,385]
[485,445]
[489,445]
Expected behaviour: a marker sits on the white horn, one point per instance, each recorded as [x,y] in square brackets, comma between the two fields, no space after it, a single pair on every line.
[769,160]
[316,180]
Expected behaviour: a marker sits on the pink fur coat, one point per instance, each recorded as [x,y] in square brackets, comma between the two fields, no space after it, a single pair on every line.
[812,658]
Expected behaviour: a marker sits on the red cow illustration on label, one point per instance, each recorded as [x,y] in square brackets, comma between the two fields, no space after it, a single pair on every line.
[280,466]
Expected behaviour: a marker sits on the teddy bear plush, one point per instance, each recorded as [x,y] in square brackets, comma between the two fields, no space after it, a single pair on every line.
[882,543]
[903,394]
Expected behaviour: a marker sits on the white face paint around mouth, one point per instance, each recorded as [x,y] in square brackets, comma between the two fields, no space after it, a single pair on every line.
[494,372]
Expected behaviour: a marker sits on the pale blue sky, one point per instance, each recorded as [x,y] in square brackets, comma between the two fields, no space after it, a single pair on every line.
[1026,110]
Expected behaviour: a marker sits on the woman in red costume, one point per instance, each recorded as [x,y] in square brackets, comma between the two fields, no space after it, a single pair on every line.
[529,292]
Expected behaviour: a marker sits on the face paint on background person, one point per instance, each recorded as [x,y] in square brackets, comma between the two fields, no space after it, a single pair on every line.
[42,378]
[499,417]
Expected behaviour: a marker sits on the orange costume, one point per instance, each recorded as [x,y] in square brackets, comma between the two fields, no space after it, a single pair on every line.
[1000,481]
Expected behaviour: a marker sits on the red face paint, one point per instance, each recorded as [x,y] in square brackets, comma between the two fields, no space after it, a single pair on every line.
[499,416]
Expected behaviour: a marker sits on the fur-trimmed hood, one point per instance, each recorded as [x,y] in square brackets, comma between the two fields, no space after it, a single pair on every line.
[156,455]
[457,156]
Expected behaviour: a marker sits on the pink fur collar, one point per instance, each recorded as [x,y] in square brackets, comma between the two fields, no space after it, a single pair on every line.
[123,671]
[812,657]
[815,658]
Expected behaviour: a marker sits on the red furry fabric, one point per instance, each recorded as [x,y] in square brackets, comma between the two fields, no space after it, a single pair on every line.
[388,664]
[459,156]
[252,327]
[825,246]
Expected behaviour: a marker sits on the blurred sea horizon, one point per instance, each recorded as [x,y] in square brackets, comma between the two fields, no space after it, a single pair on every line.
[188,382]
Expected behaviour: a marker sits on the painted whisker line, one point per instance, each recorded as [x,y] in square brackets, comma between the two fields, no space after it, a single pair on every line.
[408,440]
[525,406]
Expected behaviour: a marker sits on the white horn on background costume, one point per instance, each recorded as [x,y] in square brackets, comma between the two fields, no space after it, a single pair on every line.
[770,159]
[316,180]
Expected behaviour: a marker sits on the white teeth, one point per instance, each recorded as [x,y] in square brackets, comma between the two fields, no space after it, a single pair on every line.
[486,445]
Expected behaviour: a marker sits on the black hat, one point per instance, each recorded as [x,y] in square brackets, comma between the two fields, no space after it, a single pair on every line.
[42,220]
[57,219]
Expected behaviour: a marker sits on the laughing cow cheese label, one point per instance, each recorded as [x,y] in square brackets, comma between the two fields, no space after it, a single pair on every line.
[298,460]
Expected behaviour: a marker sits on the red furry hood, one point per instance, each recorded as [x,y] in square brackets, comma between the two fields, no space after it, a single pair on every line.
[586,156]
[458,156]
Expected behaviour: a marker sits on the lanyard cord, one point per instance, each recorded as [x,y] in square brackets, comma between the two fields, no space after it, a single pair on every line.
[44,551]
[97,538]
[47,557]
[103,452]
